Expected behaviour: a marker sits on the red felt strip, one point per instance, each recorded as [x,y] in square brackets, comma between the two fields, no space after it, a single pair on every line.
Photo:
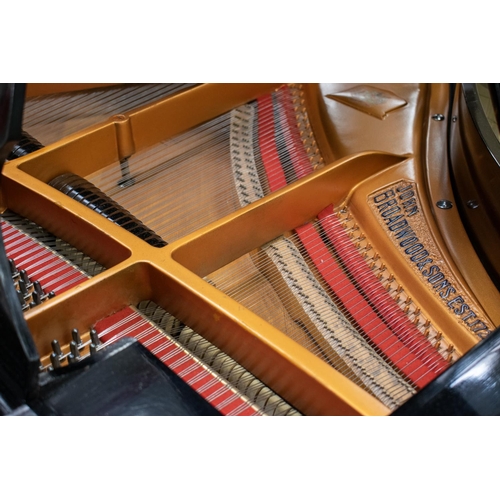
[269,154]
[396,335]
[217,393]
[53,273]
[395,318]
[301,163]
[360,310]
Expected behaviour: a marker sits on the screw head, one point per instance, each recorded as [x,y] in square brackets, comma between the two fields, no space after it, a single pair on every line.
[472,204]
[438,117]
[454,119]
[444,204]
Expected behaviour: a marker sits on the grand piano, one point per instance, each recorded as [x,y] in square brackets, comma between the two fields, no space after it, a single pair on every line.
[250,249]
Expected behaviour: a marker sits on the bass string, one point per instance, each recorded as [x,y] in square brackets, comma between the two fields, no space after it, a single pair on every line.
[245,281]
[47,117]
[226,281]
[110,100]
[251,294]
[391,383]
[161,197]
[165,155]
[178,180]
[347,371]
[202,138]
[197,133]
[222,278]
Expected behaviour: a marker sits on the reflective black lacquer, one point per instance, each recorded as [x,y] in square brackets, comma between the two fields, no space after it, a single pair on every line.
[122,379]
[470,387]
[18,355]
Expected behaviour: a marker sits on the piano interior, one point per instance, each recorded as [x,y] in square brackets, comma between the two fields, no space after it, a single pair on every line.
[285,249]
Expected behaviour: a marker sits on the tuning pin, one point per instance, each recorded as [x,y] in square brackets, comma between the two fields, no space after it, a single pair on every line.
[56,348]
[23,287]
[76,336]
[39,290]
[54,359]
[73,346]
[22,302]
[25,277]
[36,298]
[93,348]
[38,287]
[94,337]
[13,269]
[71,358]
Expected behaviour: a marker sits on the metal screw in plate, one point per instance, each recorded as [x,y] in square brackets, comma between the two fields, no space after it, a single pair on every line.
[438,117]
[444,204]
[472,204]
[454,119]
